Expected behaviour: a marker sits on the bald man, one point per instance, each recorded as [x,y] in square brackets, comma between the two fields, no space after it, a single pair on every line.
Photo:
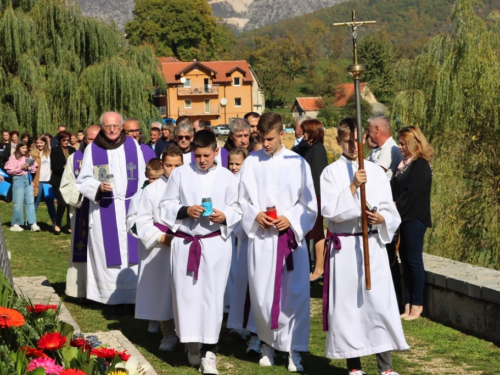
[132,129]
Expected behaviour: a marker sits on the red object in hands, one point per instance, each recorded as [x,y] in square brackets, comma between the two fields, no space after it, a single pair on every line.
[272,213]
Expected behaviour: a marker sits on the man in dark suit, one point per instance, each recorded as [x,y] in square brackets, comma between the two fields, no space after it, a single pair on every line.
[300,146]
[156,143]
[55,140]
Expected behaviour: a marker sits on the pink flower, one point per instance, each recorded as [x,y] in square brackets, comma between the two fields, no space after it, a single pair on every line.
[48,364]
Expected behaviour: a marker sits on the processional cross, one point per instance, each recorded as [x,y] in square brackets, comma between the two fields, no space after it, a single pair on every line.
[356,69]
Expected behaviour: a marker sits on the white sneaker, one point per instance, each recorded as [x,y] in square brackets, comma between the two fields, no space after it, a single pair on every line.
[253,345]
[16,228]
[193,353]
[267,356]
[295,362]
[209,364]
[357,372]
[35,228]
[167,343]
[153,326]
[389,372]
[239,334]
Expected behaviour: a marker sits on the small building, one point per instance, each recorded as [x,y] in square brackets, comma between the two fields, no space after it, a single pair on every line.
[345,92]
[214,91]
[307,106]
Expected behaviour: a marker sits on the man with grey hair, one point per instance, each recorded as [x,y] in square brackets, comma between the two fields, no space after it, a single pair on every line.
[184,136]
[112,172]
[300,146]
[239,135]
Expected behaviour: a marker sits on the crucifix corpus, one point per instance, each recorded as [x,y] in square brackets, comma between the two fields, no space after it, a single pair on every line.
[356,69]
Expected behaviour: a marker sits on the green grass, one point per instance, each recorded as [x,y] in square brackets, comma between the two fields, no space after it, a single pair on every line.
[435,349]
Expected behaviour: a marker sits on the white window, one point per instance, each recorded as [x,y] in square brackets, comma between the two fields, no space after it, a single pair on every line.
[188,82]
[237,102]
[207,105]
[237,81]
[187,103]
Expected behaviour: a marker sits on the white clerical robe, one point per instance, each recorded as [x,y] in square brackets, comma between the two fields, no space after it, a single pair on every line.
[282,180]
[117,284]
[76,275]
[154,288]
[199,305]
[361,322]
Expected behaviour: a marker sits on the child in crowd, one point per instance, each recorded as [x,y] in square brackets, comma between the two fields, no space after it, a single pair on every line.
[359,322]
[20,167]
[200,205]
[236,158]
[154,288]
[279,208]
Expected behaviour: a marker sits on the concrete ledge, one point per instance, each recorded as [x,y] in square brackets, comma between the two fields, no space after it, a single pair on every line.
[463,296]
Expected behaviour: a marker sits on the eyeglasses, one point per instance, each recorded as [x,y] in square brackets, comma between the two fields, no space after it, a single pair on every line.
[107,127]
[186,137]
[65,140]
[130,131]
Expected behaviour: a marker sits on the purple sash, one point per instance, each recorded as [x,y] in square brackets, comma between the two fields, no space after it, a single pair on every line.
[224,157]
[332,240]
[147,152]
[161,227]
[286,243]
[81,231]
[195,249]
[107,205]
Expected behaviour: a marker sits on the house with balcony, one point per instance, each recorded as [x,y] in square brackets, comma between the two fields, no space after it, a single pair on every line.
[214,91]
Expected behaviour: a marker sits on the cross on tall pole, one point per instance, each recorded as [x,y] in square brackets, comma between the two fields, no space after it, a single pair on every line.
[356,69]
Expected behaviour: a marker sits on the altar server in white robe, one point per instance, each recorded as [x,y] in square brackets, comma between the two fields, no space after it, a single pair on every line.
[278,265]
[154,288]
[76,276]
[359,322]
[112,172]
[201,249]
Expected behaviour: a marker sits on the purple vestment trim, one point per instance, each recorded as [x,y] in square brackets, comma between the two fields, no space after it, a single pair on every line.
[224,157]
[161,227]
[147,152]
[107,205]
[195,249]
[286,243]
[332,240]
[80,237]
[246,308]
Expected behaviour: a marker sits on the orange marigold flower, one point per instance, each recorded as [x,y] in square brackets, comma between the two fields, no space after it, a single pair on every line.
[34,352]
[72,371]
[38,308]
[105,353]
[51,341]
[10,318]
[124,356]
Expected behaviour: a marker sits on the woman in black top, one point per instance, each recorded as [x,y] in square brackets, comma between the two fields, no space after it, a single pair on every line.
[411,189]
[58,157]
[317,160]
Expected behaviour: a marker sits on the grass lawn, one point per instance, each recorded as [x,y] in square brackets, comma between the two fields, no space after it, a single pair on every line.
[435,349]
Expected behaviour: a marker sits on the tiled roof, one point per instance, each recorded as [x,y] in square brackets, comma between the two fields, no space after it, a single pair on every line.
[171,69]
[344,92]
[309,104]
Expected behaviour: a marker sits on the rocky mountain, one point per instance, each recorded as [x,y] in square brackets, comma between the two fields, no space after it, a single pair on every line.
[241,14]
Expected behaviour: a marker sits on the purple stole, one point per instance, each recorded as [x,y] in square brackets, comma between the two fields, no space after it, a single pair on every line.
[107,205]
[224,157]
[147,152]
[80,236]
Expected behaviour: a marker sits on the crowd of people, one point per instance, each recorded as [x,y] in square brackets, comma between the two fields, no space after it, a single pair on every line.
[187,230]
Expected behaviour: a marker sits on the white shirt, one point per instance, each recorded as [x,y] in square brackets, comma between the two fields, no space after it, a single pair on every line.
[388,156]
[45,169]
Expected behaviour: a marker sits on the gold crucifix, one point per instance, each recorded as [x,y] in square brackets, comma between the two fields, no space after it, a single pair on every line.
[355,69]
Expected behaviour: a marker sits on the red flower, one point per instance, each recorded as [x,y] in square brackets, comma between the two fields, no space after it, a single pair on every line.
[72,371]
[80,343]
[51,341]
[105,353]
[34,352]
[10,318]
[38,308]
[124,356]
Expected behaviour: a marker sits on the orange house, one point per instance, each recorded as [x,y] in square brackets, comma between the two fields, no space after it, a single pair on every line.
[214,91]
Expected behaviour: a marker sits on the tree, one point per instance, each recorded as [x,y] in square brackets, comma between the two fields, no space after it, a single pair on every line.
[185,29]
[57,67]
[452,91]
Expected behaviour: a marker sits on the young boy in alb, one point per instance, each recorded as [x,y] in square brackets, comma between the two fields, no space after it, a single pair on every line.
[200,205]
[279,208]
[359,322]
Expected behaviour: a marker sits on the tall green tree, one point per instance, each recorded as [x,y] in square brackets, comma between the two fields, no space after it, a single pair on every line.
[185,29]
[452,91]
[58,67]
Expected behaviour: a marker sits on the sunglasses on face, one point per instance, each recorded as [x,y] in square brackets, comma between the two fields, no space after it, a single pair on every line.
[186,137]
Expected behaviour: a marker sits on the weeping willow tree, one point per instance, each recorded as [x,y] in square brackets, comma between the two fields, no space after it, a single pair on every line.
[452,91]
[60,68]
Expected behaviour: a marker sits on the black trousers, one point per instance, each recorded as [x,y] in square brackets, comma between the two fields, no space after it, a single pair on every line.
[61,207]
[214,348]
[384,362]
[395,272]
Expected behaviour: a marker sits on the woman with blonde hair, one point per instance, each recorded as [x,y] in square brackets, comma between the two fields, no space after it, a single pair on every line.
[411,189]
[40,151]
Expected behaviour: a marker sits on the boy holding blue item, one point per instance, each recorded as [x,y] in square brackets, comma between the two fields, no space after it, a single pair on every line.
[200,206]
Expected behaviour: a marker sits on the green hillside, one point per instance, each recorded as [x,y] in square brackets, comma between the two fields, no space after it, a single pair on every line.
[407,24]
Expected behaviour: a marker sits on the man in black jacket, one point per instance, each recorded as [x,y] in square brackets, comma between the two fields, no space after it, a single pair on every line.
[156,143]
